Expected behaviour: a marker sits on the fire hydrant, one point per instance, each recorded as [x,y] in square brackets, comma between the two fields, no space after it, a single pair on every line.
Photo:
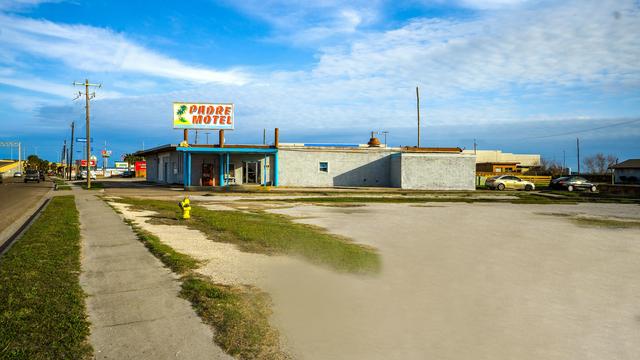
[185,205]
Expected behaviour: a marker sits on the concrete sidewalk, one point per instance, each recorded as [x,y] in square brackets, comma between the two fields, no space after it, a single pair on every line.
[133,302]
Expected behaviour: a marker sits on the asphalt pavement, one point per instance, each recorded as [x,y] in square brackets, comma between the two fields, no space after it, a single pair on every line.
[17,201]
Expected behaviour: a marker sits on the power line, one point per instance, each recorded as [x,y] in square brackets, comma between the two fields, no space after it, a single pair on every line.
[582,131]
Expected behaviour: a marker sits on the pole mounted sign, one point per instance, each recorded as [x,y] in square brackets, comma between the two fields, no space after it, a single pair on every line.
[203,116]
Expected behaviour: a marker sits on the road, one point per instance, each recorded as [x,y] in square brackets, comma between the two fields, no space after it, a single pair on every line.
[16,199]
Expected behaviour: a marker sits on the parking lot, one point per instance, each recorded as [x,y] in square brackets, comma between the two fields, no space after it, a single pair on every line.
[468,281]
[483,280]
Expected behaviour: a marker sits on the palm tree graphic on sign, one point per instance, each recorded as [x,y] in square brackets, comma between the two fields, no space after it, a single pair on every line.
[181,110]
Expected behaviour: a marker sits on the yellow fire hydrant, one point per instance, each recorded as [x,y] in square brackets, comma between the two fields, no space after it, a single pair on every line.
[185,205]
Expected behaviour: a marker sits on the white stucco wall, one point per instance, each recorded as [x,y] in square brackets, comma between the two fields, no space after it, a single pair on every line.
[395,170]
[300,167]
[437,171]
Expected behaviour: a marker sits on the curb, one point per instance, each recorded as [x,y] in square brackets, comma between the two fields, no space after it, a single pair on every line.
[7,244]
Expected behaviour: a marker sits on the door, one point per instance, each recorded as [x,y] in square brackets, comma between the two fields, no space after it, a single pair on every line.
[251,172]
[165,171]
[207,178]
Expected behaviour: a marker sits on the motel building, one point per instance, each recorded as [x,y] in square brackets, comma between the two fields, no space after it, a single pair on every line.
[197,166]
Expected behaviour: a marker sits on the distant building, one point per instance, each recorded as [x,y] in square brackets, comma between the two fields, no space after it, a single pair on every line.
[626,172]
[9,167]
[496,161]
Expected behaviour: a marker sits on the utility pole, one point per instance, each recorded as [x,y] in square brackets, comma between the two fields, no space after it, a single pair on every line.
[104,160]
[475,147]
[264,136]
[384,133]
[564,161]
[63,158]
[196,137]
[578,147]
[73,125]
[87,97]
[418,108]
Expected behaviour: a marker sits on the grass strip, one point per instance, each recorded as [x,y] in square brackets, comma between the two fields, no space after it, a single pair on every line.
[608,223]
[240,315]
[267,233]
[521,199]
[178,262]
[94,185]
[42,310]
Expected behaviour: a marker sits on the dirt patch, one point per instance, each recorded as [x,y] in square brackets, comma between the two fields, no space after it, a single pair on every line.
[223,262]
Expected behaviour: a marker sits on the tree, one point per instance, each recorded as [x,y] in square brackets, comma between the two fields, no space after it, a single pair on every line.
[550,167]
[599,163]
[33,161]
[132,158]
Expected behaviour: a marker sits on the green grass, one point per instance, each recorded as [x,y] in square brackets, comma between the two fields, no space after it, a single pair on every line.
[608,223]
[178,262]
[58,181]
[240,315]
[521,198]
[42,311]
[60,184]
[94,185]
[267,233]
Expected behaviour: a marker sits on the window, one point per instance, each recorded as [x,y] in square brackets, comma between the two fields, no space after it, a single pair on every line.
[324,166]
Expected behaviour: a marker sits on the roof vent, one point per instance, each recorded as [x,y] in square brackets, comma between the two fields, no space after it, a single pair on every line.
[373,142]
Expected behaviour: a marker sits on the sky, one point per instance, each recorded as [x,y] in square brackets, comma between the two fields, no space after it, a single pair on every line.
[527,76]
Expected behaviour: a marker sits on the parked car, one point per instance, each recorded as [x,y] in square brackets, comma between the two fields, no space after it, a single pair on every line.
[503,182]
[571,183]
[128,174]
[17,174]
[83,175]
[32,175]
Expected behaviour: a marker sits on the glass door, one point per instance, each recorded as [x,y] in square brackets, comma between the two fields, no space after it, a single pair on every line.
[251,172]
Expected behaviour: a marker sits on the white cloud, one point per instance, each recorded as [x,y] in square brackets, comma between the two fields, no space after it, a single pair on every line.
[100,50]
[51,88]
[497,67]
[491,4]
[310,23]
[578,43]
[17,5]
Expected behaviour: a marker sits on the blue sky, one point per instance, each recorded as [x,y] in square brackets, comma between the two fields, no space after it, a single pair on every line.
[517,75]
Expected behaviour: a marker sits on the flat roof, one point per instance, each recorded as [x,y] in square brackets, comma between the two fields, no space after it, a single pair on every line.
[249,148]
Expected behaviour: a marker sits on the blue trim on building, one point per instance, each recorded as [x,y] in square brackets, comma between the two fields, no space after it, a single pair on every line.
[225,152]
[184,169]
[333,145]
[221,170]
[188,169]
[275,169]
[197,150]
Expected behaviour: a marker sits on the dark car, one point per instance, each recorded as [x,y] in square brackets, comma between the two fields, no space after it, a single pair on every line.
[32,175]
[127,174]
[572,183]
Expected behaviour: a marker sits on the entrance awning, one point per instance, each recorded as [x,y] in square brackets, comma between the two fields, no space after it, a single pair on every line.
[224,153]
